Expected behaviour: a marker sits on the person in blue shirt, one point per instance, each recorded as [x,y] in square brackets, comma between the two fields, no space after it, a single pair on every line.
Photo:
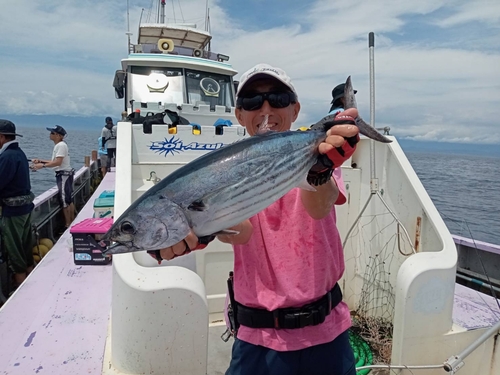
[103,156]
[108,139]
[338,99]
[16,205]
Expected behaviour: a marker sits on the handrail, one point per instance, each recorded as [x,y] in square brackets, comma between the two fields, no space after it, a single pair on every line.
[81,181]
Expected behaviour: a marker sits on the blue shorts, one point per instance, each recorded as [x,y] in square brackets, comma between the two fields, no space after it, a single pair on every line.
[64,180]
[333,358]
[111,155]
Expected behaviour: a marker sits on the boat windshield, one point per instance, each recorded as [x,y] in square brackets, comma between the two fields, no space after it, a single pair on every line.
[208,88]
[157,84]
[178,85]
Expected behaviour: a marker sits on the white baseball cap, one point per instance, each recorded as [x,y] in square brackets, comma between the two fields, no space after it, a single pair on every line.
[264,71]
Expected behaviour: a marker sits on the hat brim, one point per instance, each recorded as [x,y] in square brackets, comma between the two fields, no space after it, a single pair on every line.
[336,97]
[52,130]
[17,135]
[259,76]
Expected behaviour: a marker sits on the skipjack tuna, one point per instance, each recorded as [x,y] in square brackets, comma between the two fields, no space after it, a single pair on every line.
[224,187]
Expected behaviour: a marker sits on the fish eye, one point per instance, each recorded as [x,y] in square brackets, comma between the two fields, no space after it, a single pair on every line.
[127,227]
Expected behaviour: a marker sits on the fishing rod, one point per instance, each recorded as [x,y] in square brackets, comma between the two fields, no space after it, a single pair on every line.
[31,161]
[32,167]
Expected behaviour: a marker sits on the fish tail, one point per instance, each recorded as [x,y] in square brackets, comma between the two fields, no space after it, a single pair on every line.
[370,132]
[364,128]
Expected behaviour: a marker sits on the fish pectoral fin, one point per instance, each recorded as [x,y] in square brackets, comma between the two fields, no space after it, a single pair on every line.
[198,205]
[202,204]
[228,232]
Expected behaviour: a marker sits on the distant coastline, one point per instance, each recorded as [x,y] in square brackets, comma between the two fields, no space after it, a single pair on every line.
[491,150]
[97,122]
[68,122]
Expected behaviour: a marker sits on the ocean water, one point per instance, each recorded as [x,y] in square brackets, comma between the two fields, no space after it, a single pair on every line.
[465,189]
[36,144]
[464,184]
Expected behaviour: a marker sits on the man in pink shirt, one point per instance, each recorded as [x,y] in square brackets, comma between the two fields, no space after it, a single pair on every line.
[288,258]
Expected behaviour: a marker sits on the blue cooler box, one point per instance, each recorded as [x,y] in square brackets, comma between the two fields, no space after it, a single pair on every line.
[104,207]
[107,194]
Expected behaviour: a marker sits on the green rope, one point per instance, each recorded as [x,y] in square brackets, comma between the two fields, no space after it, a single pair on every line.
[362,352]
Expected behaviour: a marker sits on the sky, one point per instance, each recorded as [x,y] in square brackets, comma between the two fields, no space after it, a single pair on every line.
[436,62]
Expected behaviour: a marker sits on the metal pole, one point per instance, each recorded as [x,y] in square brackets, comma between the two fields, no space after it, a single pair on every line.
[374,189]
[454,363]
[162,14]
[206,16]
[371,47]
[139,28]
[129,34]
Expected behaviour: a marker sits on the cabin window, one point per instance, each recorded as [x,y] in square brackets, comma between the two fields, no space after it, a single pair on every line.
[208,88]
[157,84]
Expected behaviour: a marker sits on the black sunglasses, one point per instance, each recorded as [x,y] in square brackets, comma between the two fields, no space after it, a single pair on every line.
[275,100]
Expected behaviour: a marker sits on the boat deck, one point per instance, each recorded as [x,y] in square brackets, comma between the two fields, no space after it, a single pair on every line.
[57,321]
[474,310]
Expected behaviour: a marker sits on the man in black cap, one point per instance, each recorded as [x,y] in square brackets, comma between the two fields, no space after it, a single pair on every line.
[108,137]
[338,99]
[61,164]
[16,205]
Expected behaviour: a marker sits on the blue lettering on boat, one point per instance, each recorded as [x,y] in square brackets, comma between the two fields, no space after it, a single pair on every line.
[174,145]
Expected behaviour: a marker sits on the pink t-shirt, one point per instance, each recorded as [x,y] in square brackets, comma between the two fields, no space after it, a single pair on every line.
[291,260]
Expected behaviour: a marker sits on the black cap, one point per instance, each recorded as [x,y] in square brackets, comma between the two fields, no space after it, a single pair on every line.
[8,128]
[57,129]
[108,119]
[338,92]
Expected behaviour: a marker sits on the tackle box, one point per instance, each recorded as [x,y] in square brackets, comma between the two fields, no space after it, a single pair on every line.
[87,246]
[107,194]
[104,207]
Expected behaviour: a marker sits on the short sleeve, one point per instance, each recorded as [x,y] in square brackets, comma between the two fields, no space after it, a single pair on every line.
[337,177]
[61,150]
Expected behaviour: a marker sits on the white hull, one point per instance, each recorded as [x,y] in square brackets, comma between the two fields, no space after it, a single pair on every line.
[416,293]
[168,318]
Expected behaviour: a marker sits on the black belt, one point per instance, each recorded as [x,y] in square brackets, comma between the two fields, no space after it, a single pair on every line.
[65,173]
[311,314]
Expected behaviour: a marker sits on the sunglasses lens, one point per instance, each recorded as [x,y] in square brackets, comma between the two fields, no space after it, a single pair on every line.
[253,103]
[275,100]
[281,100]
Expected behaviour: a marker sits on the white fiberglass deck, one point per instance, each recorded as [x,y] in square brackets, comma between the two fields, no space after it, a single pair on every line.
[474,310]
[56,322]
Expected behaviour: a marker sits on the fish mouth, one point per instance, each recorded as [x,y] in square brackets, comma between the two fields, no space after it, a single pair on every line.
[121,248]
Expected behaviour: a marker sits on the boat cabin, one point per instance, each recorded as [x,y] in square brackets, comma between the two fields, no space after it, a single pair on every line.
[171,67]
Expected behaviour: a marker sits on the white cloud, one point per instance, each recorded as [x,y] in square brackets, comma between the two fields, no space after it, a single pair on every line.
[486,11]
[434,79]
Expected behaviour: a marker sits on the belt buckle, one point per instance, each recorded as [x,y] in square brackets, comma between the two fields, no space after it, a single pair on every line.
[299,319]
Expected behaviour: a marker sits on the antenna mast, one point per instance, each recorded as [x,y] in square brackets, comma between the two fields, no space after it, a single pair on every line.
[207,25]
[162,12]
[128,29]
